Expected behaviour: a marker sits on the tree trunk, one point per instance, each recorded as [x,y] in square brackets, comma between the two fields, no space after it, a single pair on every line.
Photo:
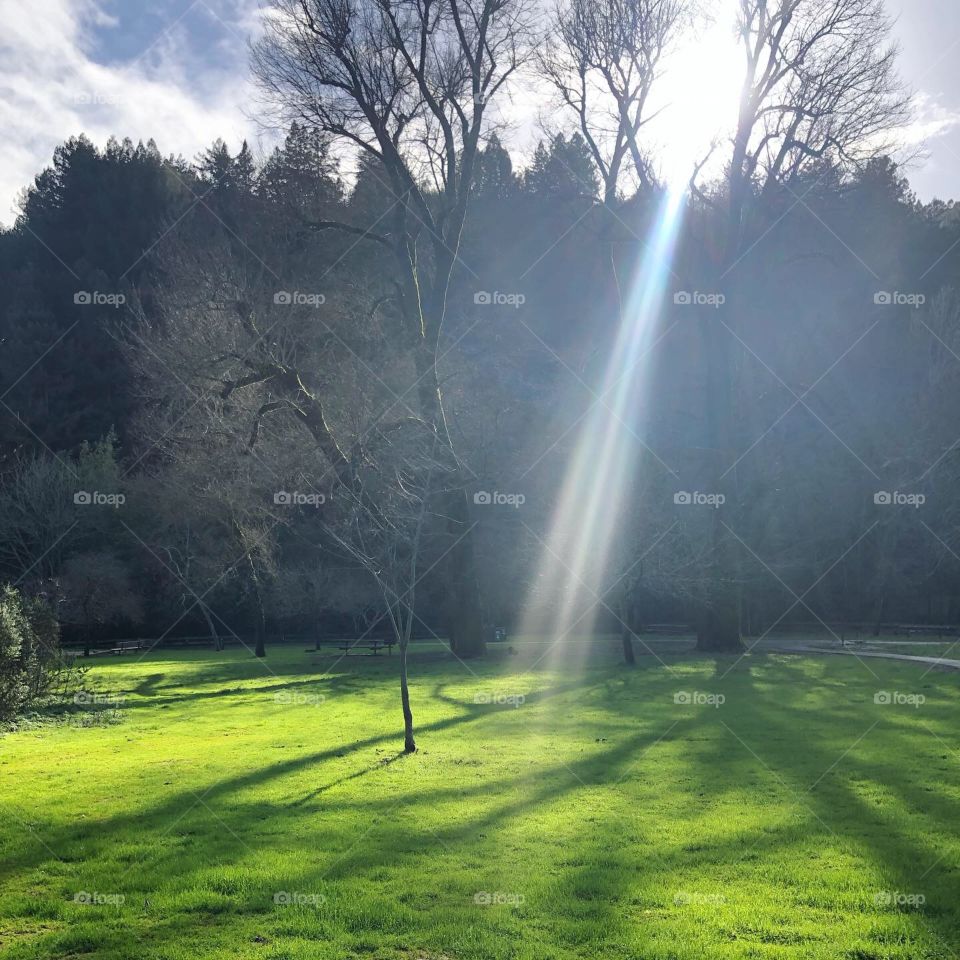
[217,639]
[260,650]
[718,630]
[878,620]
[409,744]
[465,613]
[626,632]
[464,605]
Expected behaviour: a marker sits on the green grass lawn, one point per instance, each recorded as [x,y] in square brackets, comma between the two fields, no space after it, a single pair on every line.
[568,808]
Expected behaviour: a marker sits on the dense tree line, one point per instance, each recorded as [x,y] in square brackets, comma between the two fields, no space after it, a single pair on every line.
[130,382]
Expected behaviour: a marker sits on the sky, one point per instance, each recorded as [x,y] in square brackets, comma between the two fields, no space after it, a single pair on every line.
[176,70]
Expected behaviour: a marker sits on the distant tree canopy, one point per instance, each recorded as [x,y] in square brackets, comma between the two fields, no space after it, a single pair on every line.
[184,243]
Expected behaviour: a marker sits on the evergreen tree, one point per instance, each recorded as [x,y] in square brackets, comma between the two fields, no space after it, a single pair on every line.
[494,178]
[562,170]
[301,176]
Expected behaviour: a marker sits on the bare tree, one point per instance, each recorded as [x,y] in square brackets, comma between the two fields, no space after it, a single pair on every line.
[407,85]
[96,590]
[179,524]
[820,91]
[382,521]
[820,87]
[45,508]
[209,517]
[603,58]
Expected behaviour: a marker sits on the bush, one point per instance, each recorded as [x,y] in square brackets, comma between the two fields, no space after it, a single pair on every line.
[32,665]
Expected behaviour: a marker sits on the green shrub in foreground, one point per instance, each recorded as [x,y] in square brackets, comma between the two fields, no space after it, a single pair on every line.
[32,664]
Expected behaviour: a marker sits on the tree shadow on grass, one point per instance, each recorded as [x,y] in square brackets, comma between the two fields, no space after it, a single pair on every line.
[173,808]
[825,780]
[597,881]
[339,684]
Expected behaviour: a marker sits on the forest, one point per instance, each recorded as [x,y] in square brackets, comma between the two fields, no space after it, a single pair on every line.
[189,341]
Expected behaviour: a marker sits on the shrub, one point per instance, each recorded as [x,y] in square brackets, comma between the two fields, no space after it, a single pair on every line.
[32,665]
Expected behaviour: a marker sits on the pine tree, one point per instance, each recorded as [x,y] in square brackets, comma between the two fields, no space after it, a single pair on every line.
[494,178]
[564,169]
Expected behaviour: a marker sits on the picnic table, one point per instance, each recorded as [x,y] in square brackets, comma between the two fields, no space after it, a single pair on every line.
[373,645]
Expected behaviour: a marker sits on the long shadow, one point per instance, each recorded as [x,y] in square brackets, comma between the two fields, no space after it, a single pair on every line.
[764,724]
[339,683]
[308,673]
[606,766]
[832,799]
[469,711]
[549,786]
[174,806]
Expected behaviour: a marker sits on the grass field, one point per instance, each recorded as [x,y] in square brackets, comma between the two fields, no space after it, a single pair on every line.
[235,809]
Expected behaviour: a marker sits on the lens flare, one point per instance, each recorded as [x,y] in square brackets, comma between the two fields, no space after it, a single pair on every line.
[573,568]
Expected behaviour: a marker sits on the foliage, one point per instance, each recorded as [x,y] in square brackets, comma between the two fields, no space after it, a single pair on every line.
[32,665]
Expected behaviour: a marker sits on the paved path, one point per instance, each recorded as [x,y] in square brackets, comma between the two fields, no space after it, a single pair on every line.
[933,661]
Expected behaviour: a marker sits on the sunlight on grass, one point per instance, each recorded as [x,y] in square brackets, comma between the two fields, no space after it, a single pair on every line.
[240,812]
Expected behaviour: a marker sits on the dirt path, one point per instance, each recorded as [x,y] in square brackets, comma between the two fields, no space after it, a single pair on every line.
[862,654]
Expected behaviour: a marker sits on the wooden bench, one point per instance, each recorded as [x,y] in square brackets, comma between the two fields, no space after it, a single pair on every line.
[374,646]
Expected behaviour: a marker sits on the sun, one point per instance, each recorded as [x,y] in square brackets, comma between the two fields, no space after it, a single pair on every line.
[697,100]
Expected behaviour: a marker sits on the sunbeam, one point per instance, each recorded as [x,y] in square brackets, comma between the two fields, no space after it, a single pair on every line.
[575,556]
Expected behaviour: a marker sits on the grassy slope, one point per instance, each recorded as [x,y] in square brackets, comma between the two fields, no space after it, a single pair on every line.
[628,825]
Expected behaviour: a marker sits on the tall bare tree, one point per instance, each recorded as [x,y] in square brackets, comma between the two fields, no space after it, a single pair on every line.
[407,85]
[820,90]
[820,87]
[603,58]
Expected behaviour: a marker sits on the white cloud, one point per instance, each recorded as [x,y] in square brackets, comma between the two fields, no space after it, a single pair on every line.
[51,88]
[931,120]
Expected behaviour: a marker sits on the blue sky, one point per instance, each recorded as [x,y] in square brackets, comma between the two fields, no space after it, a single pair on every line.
[177,70]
